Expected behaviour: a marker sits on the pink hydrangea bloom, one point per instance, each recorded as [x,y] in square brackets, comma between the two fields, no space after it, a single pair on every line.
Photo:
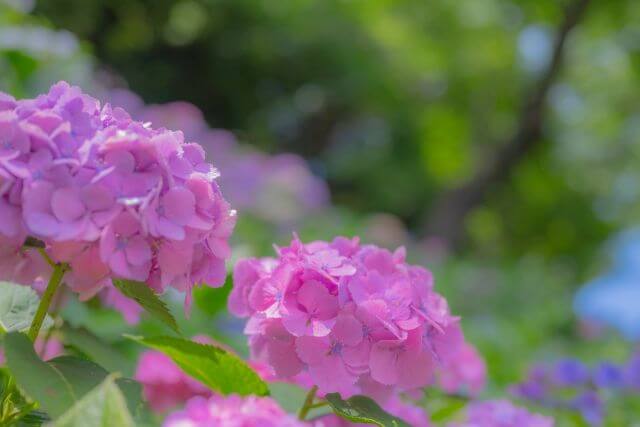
[111,196]
[501,413]
[346,317]
[232,411]
[280,189]
[464,371]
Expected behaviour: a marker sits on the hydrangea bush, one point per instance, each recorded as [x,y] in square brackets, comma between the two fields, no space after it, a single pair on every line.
[126,210]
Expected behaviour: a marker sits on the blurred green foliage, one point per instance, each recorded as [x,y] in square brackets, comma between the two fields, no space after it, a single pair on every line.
[397,102]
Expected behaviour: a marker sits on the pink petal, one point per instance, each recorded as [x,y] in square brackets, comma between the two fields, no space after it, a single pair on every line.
[66,204]
[138,251]
[179,204]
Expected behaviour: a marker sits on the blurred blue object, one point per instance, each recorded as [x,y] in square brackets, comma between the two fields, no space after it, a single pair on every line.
[613,299]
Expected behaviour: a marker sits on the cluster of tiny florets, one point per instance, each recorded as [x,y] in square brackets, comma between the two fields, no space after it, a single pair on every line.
[112,197]
[345,317]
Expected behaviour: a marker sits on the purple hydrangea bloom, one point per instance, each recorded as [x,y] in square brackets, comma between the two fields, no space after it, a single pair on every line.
[108,195]
[501,413]
[608,375]
[570,372]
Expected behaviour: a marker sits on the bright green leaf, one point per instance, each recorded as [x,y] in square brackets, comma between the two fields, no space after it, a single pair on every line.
[148,299]
[361,409]
[213,366]
[41,381]
[449,410]
[18,305]
[101,352]
[104,406]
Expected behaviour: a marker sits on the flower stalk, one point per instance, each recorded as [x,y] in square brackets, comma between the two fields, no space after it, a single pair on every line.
[308,403]
[45,301]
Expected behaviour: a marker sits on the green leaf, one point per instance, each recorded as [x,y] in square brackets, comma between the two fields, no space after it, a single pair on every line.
[41,381]
[213,366]
[148,299]
[58,384]
[104,406]
[84,375]
[361,409]
[18,305]
[101,352]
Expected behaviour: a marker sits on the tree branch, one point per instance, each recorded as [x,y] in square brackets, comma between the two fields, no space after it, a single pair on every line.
[447,216]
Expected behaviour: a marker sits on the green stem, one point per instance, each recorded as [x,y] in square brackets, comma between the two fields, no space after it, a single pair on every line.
[45,301]
[308,403]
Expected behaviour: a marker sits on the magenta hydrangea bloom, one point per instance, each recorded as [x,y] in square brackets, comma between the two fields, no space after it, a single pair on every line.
[501,413]
[232,411]
[111,196]
[346,317]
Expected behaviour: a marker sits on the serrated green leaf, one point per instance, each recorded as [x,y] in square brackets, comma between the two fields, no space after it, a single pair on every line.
[41,381]
[18,305]
[361,409]
[148,300]
[218,369]
[101,352]
[104,406]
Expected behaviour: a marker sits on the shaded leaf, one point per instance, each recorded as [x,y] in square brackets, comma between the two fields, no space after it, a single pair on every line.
[148,300]
[361,409]
[213,366]
[104,406]
[18,305]
[41,381]
[101,352]
[84,376]
[58,384]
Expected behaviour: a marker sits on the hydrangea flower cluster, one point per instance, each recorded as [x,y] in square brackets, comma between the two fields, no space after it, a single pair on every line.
[232,411]
[280,189]
[348,318]
[501,413]
[110,196]
[571,385]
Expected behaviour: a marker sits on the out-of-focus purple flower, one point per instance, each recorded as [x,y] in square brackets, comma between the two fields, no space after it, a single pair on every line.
[590,406]
[570,372]
[608,375]
[632,372]
[501,413]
